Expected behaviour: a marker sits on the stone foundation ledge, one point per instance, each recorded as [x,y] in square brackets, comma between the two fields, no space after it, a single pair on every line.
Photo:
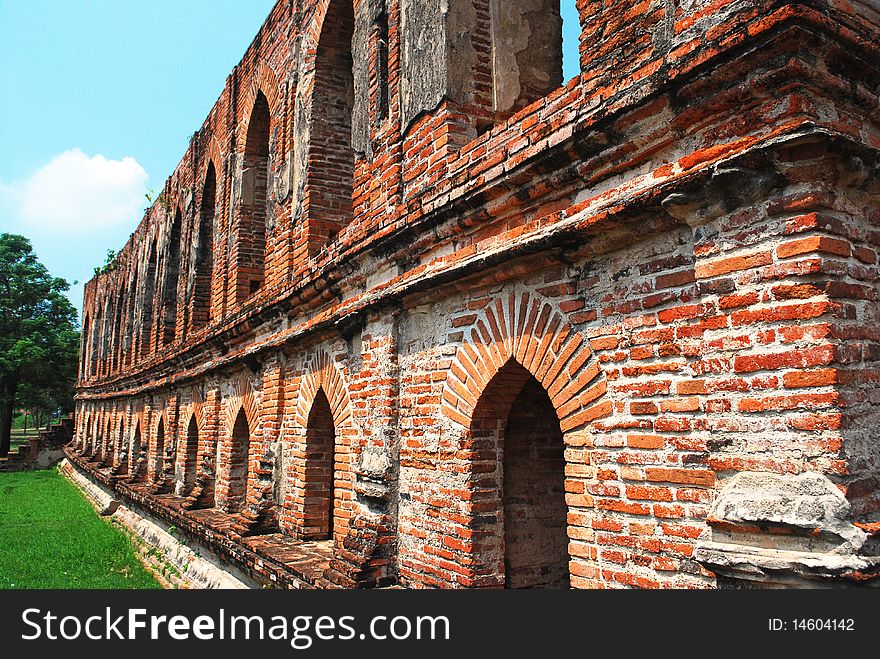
[788,531]
[232,562]
[758,567]
[192,566]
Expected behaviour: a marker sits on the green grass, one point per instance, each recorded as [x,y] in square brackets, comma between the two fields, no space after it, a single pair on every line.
[50,537]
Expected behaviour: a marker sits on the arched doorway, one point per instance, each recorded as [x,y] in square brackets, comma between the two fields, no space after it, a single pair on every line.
[520,481]
[319,472]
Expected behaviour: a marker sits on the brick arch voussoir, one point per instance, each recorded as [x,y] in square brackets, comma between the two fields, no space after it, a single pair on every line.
[527,329]
[243,398]
[323,374]
[137,421]
[195,408]
[264,80]
[312,35]
[160,417]
[213,156]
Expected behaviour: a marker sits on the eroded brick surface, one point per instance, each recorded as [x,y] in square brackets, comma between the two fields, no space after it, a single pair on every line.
[407,314]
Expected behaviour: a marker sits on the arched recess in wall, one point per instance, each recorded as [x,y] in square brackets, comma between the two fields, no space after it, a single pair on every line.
[239,467]
[319,472]
[331,156]
[95,349]
[137,455]
[130,345]
[191,455]
[172,280]
[523,387]
[117,331]
[108,449]
[250,242]
[201,303]
[106,336]
[146,338]
[121,452]
[322,487]
[159,457]
[96,435]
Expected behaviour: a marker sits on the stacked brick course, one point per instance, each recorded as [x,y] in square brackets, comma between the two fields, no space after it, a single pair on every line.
[395,318]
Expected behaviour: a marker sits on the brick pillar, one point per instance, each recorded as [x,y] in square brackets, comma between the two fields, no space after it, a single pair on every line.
[365,554]
[203,492]
[261,509]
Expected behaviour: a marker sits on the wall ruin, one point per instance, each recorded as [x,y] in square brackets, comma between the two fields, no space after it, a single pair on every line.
[616,333]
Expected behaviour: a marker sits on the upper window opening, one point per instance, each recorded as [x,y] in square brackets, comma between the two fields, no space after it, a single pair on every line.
[201,313]
[331,155]
[251,242]
[147,308]
[172,278]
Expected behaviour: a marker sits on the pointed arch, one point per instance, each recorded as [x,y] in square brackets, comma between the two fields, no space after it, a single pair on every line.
[239,467]
[120,463]
[322,373]
[107,440]
[106,334]
[190,459]
[137,456]
[331,157]
[84,348]
[250,241]
[318,474]
[117,331]
[129,343]
[265,82]
[528,329]
[243,397]
[171,280]
[204,260]
[149,294]
[95,349]
[522,388]
[159,457]
[519,455]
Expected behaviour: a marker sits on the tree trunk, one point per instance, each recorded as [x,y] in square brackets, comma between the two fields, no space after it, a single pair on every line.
[7,409]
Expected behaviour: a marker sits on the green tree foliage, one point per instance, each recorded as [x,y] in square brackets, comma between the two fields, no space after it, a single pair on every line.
[39,335]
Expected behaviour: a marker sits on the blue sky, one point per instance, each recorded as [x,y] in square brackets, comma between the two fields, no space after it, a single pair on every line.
[99,100]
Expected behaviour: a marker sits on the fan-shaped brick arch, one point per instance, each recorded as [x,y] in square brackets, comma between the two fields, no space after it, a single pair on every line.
[242,398]
[528,329]
[214,154]
[307,457]
[194,408]
[323,374]
[265,81]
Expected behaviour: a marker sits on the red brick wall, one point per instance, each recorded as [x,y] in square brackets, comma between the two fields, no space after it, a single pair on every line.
[652,279]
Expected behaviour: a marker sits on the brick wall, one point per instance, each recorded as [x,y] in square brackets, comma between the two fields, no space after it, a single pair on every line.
[618,333]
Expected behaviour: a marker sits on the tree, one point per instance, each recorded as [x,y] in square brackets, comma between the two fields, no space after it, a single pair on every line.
[39,334]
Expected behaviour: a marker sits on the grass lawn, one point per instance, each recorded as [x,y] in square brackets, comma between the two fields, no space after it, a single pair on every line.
[50,537]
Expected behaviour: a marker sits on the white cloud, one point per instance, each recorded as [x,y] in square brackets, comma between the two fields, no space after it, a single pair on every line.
[76,193]
[73,209]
